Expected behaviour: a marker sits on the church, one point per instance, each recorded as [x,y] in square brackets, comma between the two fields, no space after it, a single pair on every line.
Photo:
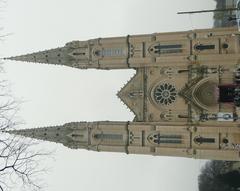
[185,94]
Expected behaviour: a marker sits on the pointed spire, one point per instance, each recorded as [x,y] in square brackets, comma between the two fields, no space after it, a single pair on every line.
[73,54]
[66,134]
[52,56]
[43,133]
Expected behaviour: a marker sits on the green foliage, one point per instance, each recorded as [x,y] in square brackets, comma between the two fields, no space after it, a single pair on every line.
[214,177]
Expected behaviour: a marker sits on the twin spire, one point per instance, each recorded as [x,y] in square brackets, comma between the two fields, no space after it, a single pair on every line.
[80,54]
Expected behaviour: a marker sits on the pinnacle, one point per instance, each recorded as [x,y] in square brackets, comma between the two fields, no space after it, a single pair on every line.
[12,58]
[6,58]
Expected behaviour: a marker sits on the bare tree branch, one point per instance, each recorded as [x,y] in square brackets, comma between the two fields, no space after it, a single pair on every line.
[19,158]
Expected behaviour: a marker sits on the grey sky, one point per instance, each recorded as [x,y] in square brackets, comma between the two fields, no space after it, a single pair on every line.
[55,95]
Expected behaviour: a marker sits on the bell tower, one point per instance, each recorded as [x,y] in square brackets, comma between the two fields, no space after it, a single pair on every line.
[204,142]
[185,94]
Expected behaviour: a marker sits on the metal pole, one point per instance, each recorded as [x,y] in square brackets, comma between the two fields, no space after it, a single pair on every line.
[208,11]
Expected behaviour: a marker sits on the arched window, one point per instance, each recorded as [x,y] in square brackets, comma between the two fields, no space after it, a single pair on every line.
[110,52]
[201,47]
[158,138]
[104,136]
[77,135]
[159,49]
[79,53]
[201,140]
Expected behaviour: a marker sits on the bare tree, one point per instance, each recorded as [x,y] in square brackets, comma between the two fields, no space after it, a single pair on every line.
[20,164]
[20,158]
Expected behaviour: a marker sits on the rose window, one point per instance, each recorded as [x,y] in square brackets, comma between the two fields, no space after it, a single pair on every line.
[165,94]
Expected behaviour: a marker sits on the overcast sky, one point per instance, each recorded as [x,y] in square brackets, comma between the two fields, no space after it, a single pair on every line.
[54,95]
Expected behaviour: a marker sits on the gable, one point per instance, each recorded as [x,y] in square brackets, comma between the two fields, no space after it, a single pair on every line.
[132,94]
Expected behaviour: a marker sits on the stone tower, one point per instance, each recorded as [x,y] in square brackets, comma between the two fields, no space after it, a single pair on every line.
[185,94]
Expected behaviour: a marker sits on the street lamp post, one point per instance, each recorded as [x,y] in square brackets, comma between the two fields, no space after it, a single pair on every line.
[208,11]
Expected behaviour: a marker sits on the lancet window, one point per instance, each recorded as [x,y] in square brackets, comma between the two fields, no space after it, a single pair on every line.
[201,47]
[104,136]
[201,140]
[158,138]
[159,49]
[109,52]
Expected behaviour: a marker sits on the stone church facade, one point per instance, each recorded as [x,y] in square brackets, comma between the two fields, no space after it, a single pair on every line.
[185,94]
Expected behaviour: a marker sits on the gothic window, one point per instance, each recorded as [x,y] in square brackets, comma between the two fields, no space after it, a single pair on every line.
[201,47]
[165,94]
[167,116]
[78,53]
[200,140]
[165,49]
[77,135]
[103,136]
[109,52]
[158,138]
